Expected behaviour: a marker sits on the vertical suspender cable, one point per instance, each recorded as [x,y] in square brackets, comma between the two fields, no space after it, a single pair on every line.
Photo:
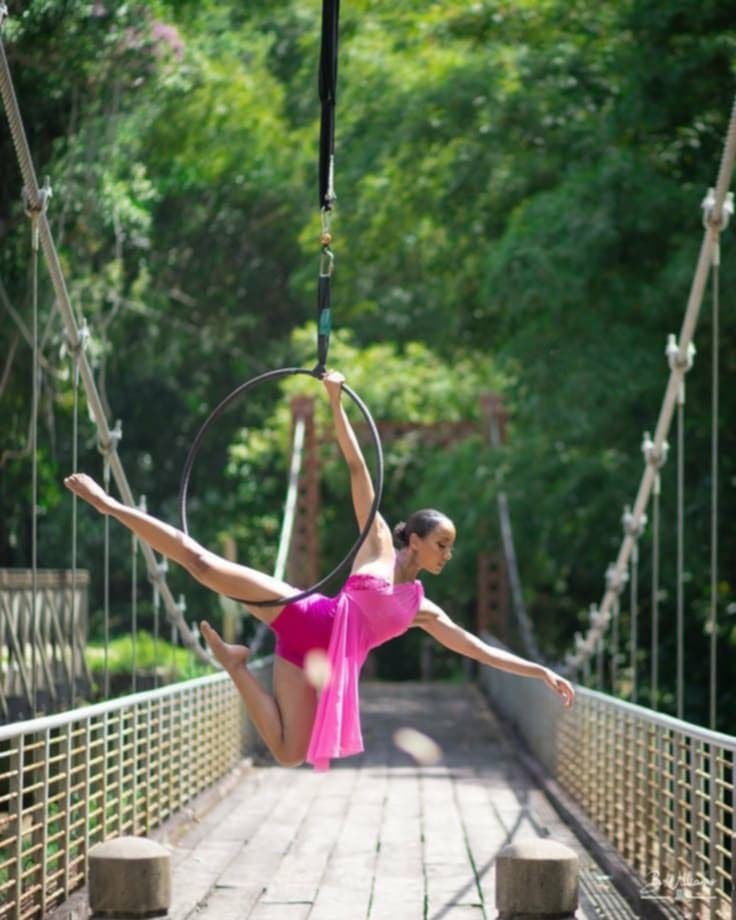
[35,638]
[614,645]
[75,464]
[680,547]
[174,641]
[156,602]
[712,623]
[106,597]
[133,605]
[634,639]
[655,593]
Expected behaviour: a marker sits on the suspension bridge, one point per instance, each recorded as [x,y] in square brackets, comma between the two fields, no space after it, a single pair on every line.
[644,798]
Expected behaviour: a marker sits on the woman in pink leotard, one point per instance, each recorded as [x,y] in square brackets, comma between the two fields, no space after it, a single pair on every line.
[381,599]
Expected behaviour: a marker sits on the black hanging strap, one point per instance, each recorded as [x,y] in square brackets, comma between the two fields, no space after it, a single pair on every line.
[328,96]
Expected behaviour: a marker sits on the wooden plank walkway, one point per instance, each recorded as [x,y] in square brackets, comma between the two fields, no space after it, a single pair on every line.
[376,838]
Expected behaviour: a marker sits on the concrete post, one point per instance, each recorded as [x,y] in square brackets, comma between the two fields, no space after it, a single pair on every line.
[129,877]
[535,879]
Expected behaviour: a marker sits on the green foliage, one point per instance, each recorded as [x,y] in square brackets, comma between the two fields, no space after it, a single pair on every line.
[518,184]
[147,654]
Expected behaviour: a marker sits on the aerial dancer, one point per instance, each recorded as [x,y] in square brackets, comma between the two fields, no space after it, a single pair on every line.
[381,599]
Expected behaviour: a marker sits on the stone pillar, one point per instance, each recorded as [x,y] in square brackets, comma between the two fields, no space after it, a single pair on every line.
[535,879]
[129,877]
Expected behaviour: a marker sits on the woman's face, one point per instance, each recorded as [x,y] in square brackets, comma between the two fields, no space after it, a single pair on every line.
[434,550]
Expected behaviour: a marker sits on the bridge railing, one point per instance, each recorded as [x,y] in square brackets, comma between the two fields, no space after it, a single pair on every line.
[53,641]
[660,790]
[71,780]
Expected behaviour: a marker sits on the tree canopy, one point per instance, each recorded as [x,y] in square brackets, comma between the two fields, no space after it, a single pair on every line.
[519,188]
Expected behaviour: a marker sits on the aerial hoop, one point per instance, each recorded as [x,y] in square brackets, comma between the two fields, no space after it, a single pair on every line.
[377,486]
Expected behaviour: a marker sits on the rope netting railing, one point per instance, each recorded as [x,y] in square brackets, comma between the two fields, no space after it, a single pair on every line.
[36,198]
[717,207]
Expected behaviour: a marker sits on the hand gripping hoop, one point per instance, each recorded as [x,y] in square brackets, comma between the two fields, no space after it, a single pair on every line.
[378,484]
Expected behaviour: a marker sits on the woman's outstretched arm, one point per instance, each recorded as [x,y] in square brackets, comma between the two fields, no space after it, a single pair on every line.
[438,624]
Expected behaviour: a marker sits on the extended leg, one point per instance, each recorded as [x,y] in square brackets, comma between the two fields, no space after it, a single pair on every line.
[211,570]
[284,720]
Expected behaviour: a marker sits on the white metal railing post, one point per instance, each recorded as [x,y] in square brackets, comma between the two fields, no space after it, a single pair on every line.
[66,818]
[16,791]
[121,772]
[45,817]
[86,793]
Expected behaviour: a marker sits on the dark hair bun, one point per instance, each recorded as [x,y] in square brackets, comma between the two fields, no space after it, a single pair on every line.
[400,535]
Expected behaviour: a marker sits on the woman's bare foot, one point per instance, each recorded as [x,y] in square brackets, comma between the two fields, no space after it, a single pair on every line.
[229,656]
[85,487]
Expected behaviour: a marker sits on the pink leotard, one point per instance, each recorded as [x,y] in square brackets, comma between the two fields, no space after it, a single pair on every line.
[367,612]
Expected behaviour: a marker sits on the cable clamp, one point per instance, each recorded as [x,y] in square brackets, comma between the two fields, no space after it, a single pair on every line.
[83,337]
[111,445]
[709,205]
[678,361]
[326,235]
[45,194]
[330,196]
[584,646]
[35,209]
[633,527]
[616,581]
[657,458]
[326,262]
[157,575]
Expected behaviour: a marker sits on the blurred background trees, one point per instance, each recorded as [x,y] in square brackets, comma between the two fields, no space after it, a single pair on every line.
[518,209]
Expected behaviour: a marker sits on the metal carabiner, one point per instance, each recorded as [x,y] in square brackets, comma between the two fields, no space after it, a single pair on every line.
[326,262]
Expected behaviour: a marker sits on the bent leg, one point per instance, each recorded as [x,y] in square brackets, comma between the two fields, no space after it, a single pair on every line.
[283,720]
[297,702]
